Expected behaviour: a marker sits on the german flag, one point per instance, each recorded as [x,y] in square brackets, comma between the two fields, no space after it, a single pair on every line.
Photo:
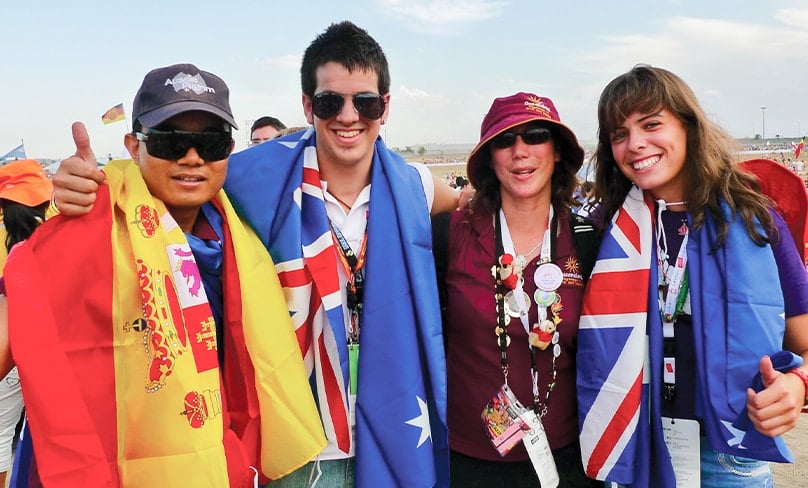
[115,114]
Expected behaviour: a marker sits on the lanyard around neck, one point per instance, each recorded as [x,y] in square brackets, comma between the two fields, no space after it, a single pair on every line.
[504,243]
[507,246]
[355,286]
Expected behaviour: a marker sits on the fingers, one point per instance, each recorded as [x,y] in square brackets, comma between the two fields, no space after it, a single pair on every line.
[465,196]
[776,409]
[76,181]
[767,372]
[74,187]
[82,141]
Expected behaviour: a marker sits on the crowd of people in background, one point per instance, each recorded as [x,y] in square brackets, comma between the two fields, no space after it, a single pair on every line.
[323,312]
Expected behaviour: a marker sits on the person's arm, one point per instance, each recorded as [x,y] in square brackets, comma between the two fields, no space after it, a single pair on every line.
[776,409]
[76,181]
[6,362]
[447,199]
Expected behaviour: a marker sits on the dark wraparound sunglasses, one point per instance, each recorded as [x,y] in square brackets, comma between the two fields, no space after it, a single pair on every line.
[211,146]
[328,104]
[532,136]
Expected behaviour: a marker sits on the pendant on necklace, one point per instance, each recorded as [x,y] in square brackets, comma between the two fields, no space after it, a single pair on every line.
[542,334]
[513,306]
[544,298]
[521,261]
[548,277]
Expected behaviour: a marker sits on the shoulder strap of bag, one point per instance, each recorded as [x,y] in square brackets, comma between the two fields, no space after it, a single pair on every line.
[586,240]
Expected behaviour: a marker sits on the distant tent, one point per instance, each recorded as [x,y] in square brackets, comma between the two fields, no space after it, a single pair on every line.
[787,191]
[16,153]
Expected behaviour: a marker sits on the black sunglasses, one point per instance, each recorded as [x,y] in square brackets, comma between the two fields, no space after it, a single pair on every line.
[532,136]
[211,146]
[328,104]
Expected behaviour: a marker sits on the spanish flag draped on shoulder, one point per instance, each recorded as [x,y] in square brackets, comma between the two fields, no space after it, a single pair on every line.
[116,347]
[115,114]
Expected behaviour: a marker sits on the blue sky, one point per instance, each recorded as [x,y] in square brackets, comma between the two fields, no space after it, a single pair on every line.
[66,61]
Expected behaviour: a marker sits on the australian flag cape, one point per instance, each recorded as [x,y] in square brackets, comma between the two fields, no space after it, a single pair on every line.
[735,322]
[401,435]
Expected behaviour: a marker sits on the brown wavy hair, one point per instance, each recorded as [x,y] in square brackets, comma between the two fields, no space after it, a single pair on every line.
[711,175]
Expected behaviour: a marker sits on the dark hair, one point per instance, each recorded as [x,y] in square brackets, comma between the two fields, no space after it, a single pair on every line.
[21,220]
[709,169]
[349,45]
[265,121]
[563,182]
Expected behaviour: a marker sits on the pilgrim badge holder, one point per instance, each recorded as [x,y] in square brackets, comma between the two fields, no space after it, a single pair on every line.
[507,422]
[355,306]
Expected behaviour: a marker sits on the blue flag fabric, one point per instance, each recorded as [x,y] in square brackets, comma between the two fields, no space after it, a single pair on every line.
[730,339]
[401,433]
[736,321]
[23,459]
[16,153]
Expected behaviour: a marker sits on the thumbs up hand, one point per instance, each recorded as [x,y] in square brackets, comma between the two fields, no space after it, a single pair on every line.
[76,181]
[775,409]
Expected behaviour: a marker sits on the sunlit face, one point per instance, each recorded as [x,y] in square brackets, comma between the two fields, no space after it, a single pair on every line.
[525,171]
[187,183]
[650,150]
[346,139]
[263,134]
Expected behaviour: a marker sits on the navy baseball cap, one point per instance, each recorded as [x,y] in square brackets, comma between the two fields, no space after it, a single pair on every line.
[166,92]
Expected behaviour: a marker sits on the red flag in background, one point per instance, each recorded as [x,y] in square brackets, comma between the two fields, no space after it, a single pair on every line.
[788,192]
[115,114]
[798,147]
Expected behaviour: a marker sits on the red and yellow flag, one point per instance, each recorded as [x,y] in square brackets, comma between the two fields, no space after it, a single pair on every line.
[115,345]
[798,147]
[115,114]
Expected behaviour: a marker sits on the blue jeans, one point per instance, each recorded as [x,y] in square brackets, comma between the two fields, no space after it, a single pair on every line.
[324,474]
[719,470]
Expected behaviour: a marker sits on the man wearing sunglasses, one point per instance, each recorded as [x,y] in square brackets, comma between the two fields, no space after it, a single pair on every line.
[346,221]
[169,357]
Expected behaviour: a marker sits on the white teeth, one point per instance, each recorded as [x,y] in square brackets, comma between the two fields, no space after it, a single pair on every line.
[347,133]
[189,179]
[646,163]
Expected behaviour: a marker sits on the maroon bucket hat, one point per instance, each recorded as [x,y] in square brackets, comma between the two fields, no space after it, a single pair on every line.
[508,112]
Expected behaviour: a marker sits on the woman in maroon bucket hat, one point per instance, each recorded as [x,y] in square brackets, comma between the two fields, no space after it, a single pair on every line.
[513,285]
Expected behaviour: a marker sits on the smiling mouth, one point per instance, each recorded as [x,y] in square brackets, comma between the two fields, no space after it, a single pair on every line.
[189,179]
[645,163]
[348,133]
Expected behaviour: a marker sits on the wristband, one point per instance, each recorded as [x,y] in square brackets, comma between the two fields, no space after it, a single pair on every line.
[804,377]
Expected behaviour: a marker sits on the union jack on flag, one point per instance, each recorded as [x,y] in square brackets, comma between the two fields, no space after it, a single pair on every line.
[311,284]
[400,436]
[613,374]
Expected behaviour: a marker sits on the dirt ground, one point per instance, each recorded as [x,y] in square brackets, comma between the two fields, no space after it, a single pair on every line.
[794,475]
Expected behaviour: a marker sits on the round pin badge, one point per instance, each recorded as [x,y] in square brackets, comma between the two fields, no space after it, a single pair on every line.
[513,307]
[544,298]
[548,277]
